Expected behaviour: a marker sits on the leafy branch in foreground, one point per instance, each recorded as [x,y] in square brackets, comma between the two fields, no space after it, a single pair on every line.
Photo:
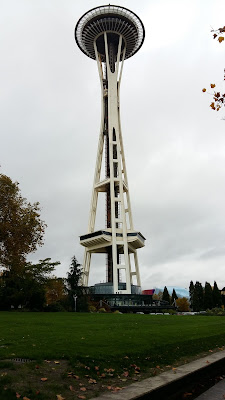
[217,34]
[218,97]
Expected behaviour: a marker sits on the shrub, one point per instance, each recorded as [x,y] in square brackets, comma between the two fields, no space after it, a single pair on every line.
[92,309]
[216,311]
[102,310]
[54,307]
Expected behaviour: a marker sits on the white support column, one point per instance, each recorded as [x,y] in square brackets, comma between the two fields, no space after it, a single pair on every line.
[119,229]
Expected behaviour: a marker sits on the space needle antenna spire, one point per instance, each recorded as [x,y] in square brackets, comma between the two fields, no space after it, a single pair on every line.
[111,34]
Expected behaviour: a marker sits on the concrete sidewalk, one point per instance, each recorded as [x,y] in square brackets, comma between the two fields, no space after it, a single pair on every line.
[216,392]
[167,384]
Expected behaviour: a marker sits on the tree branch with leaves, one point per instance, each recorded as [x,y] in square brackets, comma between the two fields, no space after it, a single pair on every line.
[218,97]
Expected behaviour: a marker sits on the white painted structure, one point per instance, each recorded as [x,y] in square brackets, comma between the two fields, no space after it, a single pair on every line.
[110,34]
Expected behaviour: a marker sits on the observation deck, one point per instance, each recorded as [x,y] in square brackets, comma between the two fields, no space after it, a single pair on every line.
[115,21]
[102,239]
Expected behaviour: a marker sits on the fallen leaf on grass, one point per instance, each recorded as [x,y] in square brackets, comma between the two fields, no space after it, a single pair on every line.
[211,351]
[26,398]
[109,387]
[44,379]
[81,397]
[56,362]
[83,389]
[102,376]
[71,388]
[92,380]
[59,397]
[96,368]
[18,395]
[116,389]
[126,373]
[109,369]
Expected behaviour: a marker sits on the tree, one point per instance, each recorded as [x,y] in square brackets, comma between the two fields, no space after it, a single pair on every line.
[166,296]
[191,293]
[55,290]
[21,228]
[174,296]
[76,292]
[198,297]
[216,294]
[26,287]
[157,296]
[208,296]
[218,97]
[74,276]
[182,304]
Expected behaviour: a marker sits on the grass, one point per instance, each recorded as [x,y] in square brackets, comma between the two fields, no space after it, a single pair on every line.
[111,349]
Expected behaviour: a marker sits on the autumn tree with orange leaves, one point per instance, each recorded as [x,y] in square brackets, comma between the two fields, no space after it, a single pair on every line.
[21,227]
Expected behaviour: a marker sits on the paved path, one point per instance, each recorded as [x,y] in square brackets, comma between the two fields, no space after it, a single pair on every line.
[217,392]
[149,387]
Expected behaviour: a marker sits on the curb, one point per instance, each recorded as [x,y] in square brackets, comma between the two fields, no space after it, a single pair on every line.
[171,383]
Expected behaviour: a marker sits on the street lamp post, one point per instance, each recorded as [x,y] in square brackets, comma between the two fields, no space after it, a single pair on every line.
[75,302]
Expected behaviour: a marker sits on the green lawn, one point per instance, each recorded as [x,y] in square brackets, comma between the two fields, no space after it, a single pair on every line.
[70,335]
[115,341]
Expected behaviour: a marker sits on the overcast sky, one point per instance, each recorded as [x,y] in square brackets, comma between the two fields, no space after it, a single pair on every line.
[174,143]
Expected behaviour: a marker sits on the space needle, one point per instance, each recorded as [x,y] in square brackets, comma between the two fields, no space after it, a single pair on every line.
[110,35]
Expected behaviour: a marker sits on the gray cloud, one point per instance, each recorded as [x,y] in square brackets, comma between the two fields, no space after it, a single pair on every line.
[174,144]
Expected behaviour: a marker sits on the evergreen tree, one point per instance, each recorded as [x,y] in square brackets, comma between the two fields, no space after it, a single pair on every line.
[76,292]
[208,296]
[174,296]
[166,296]
[74,276]
[191,293]
[217,298]
[198,297]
